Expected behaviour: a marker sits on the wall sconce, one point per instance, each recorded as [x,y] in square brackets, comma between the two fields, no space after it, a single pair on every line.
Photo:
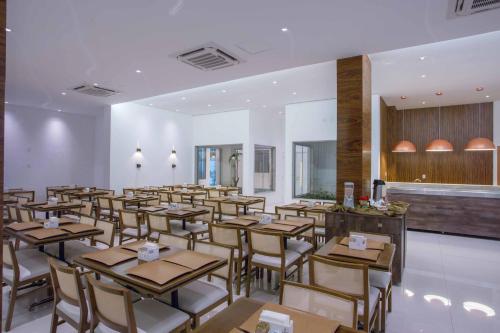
[173,158]
[138,157]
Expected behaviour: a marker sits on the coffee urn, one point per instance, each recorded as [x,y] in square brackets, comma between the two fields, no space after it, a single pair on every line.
[379,190]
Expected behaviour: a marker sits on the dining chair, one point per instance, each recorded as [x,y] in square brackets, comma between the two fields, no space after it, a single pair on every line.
[201,223]
[200,297]
[117,206]
[175,197]
[131,226]
[282,212]
[198,198]
[181,242]
[266,249]
[351,279]
[69,298]
[22,200]
[273,215]
[12,213]
[213,193]
[382,280]
[159,223]
[228,210]
[21,270]
[164,197]
[319,226]
[74,213]
[233,192]
[302,246]
[230,235]
[87,208]
[25,215]
[320,301]
[216,205]
[65,197]
[112,310]
[104,208]
[257,207]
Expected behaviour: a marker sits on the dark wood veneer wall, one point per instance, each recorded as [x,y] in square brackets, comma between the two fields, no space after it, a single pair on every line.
[459,124]
[2,114]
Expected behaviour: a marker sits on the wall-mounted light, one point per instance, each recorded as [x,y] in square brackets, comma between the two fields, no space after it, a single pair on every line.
[173,158]
[138,156]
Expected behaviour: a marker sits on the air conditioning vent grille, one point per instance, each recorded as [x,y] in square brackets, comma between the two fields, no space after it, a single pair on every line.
[480,4]
[469,7]
[91,90]
[208,58]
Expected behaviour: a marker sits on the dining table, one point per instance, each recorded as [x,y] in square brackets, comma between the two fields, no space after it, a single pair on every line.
[240,201]
[56,208]
[223,190]
[81,194]
[236,315]
[187,214]
[126,272]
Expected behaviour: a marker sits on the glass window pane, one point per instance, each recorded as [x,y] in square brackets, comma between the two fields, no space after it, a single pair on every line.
[264,169]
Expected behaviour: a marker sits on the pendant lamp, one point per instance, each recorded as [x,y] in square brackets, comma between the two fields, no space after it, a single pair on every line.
[479,143]
[404,146]
[439,145]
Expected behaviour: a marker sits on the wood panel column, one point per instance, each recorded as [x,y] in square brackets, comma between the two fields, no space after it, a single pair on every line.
[3,21]
[354,125]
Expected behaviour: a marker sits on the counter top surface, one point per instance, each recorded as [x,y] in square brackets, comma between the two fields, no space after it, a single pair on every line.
[458,190]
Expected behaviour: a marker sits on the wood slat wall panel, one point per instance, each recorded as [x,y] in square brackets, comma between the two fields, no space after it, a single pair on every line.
[459,124]
[354,125]
[2,116]
[383,139]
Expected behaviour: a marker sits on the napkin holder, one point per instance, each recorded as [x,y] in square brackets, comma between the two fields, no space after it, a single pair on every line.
[148,252]
[173,205]
[234,196]
[51,223]
[184,184]
[184,190]
[357,242]
[130,195]
[265,219]
[52,201]
[86,190]
[278,322]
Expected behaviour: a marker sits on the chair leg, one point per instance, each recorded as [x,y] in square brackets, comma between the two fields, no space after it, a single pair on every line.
[299,271]
[248,278]
[389,299]
[239,263]
[120,239]
[54,321]
[383,309]
[269,275]
[10,311]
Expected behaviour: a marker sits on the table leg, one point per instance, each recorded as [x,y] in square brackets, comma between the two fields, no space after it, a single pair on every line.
[174,299]
[47,215]
[286,243]
[61,251]
[183,224]
[41,248]
[59,213]
[244,209]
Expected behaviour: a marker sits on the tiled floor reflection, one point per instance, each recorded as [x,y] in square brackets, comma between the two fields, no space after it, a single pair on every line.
[442,273]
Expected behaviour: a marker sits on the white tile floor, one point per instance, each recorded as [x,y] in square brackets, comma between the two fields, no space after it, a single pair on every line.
[458,269]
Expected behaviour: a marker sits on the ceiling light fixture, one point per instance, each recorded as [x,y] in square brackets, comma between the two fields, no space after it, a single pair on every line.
[439,145]
[424,102]
[423,76]
[177,110]
[284,29]
[439,93]
[248,100]
[409,293]
[294,93]
[63,93]
[479,89]
[6,102]
[209,105]
[487,96]
[150,104]
[404,146]
[96,84]
[223,91]
[59,110]
[8,29]
[183,98]
[422,58]
[138,71]
[480,143]
[403,97]
[470,306]
[275,82]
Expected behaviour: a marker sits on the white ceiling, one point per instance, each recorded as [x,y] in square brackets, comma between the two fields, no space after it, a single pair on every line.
[58,44]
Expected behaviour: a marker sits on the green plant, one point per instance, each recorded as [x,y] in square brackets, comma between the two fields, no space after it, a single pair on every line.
[319,195]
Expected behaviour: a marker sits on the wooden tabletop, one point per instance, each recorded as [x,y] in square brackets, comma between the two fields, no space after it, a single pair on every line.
[53,208]
[118,272]
[289,234]
[384,261]
[37,242]
[239,312]
[239,201]
[82,194]
[305,208]
[190,193]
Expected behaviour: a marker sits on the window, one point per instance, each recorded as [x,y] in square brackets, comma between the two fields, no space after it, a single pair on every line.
[315,170]
[219,165]
[264,169]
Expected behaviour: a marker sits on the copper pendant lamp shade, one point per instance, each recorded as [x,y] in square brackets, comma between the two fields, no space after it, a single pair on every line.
[404,146]
[439,145]
[480,144]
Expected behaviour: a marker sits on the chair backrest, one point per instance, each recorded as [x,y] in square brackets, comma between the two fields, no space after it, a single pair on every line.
[129,219]
[175,241]
[12,212]
[22,200]
[87,208]
[59,196]
[158,223]
[86,219]
[259,205]
[65,197]
[299,218]
[67,285]
[233,191]
[282,212]
[318,217]
[117,205]
[213,193]
[228,208]
[164,197]
[208,217]
[108,237]
[30,195]
[225,234]
[273,215]
[111,306]
[212,203]
[218,250]
[320,301]
[79,209]
[154,202]
[103,203]
[128,189]
[25,215]
[9,258]
[266,242]
[175,197]
[374,237]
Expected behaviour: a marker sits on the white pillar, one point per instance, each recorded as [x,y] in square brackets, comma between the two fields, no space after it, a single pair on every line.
[496,138]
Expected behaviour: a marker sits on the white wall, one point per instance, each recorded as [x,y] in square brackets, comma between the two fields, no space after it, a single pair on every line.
[101,151]
[309,121]
[156,132]
[45,148]
[496,139]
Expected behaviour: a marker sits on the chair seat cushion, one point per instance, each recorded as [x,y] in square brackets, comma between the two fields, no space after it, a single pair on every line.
[198,295]
[72,311]
[134,231]
[373,299]
[105,211]
[196,228]
[179,232]
[379,279]
[299,246]
[31,262]
[290,257]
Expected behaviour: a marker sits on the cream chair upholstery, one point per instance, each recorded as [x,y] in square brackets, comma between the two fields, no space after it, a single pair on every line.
[213,193]
[200,227]
[12,213]
[112,310]
[69,299]
[382,280]
[282,212]
[176,197]
[164,197]
[157,224]
[75,212]
[266,250]
[117,206]
[22,200]
[87,208]
[200,297]
[175,241]
[273,215]
[320,301]
[228,210]
[319,226]
[21,269]
[104,208]
[25,215]
[229,235]
[351,279]
[301,246]
[216,205]
[131,226]
[259,206]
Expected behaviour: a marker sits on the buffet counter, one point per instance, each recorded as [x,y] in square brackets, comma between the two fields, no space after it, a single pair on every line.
[471,210]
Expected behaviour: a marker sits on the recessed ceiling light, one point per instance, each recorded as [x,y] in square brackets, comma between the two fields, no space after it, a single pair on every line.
[177,110]
[264,106]
[8,29]
[96,84]
[284,29]
[63,93]
[59,110]
[281,112]
[439,93]
[294,93]
[403,97]
[423,76]
[424,102]
[275,82]
[138,71]
[183,98]
[223,91]
[422,58]
[209,105]
[248,100]
[479,89]
[487,96]
[150,104]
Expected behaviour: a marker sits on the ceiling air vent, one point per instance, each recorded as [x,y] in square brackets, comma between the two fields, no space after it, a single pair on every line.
[208,58]
[469,7]
[91,90]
